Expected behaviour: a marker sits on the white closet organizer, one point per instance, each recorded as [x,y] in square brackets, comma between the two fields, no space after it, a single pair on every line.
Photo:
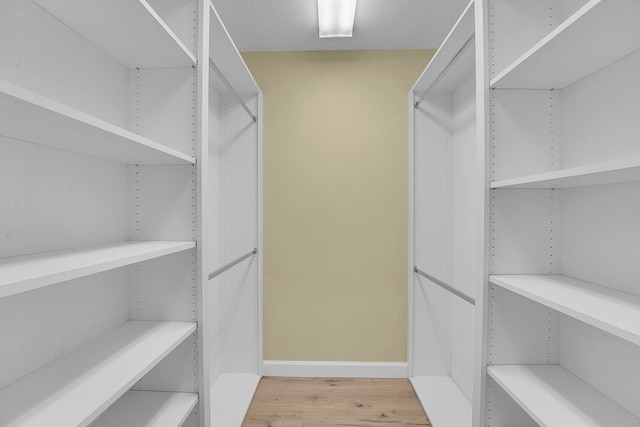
[563,336]
[443,236]
[234,291]
[99,282]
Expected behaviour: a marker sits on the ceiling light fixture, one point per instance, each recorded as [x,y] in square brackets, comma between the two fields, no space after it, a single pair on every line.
[336,17]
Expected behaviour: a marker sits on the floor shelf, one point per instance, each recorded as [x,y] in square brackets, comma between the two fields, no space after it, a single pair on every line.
[552,396]
[75,389]
[149,409]
[443,401]
[25,273]
[231,396]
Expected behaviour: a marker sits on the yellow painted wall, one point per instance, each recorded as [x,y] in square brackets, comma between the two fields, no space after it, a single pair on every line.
[335,202]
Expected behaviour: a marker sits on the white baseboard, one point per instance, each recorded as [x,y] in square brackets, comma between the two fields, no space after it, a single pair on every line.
[294,368]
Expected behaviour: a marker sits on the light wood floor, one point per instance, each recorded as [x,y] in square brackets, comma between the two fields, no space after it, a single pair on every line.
[305,402]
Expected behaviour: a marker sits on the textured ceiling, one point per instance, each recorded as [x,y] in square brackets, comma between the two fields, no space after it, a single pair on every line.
[278,25]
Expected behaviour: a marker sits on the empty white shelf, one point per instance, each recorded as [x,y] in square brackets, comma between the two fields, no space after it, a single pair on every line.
[149,409]
[615,172]
[129,31]
[225,55]
[595,36]
[554,397]
[231,396]
[453,62]
[34,118]
[24,273]
[607,309]
[75,389]
[443,401]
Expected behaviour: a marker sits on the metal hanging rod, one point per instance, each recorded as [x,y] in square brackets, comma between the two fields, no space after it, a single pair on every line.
[440,283]
[232,263]
[232,90]
[446,69]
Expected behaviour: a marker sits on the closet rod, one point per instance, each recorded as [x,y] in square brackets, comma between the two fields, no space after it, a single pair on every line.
[446,69]
[440,283]
[232,263]
[232,90]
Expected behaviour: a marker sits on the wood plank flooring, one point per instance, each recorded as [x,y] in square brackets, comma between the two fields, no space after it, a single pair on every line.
[306,402]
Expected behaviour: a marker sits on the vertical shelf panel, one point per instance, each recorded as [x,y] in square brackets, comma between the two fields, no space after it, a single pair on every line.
[231,396]
[92,56]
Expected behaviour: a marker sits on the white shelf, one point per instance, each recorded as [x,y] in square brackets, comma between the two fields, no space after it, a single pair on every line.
[30,117]
[75,389]
[552,396]
[24,273]
[462,31]
[231,396]
[129,31]
[225,55]
[597,35]
[607,309]
[149,409]
[443,401]
[615,172]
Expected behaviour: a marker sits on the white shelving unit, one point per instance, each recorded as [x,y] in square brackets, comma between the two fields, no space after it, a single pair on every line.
[128,173]
[555,261]
[101,261]
[560,337]
[234,185]
[443,239]
[231,396]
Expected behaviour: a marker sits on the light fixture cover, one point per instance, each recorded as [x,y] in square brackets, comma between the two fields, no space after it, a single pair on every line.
[336,17]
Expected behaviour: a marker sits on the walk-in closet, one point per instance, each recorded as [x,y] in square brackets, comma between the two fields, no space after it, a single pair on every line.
[219,214]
